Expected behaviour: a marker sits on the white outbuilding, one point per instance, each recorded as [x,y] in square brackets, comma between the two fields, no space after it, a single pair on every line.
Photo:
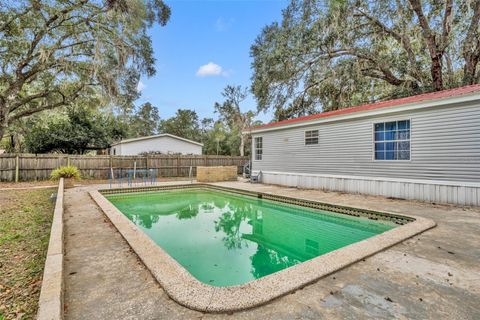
[162,143]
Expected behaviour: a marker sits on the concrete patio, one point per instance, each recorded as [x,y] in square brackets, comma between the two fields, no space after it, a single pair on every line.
[435,275]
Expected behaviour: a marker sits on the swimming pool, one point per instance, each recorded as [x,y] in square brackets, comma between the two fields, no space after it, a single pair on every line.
[226,239]
[219,249]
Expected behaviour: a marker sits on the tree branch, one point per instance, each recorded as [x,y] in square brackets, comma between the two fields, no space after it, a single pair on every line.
[4,26]
[427,32]
[435,53]
[65,101]
[403,40]
[25,100]
[446,24]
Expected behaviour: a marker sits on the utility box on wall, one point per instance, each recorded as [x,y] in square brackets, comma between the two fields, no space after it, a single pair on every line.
[215,174]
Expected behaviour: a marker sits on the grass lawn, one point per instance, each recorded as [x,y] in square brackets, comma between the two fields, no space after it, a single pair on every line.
[25,220]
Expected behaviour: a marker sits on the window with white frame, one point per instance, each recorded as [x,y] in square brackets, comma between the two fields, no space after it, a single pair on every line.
[311,137]
[392,140]
[258,148]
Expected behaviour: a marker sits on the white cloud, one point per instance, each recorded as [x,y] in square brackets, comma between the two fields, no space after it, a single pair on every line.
[222,24]
[141,86]
[211,69]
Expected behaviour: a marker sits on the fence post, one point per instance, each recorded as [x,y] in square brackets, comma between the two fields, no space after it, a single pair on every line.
[68,161]
[17,169]
[178,165]
[36,168]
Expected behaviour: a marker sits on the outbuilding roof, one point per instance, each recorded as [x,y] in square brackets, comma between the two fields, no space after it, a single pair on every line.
[426,97]
[157,136]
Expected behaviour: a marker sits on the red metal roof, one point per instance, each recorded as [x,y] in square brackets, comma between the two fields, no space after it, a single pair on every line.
[378,105]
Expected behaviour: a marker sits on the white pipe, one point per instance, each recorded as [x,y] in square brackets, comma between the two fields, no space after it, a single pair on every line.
[134,169]
[111,177]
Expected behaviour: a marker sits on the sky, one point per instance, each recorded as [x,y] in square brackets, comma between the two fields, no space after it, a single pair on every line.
[204,47]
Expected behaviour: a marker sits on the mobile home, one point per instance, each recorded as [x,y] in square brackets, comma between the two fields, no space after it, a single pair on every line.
[424,147]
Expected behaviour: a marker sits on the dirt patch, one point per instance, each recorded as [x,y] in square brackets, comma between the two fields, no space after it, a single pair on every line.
[25,220]
[26,184]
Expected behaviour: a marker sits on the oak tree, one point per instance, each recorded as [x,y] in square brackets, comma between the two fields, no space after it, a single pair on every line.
[326,55]
[54,52]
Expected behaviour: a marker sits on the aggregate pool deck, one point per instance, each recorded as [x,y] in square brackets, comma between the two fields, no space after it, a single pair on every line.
[435,275]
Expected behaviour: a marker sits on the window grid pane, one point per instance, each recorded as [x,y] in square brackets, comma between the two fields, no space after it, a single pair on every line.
[311,137]
[258,148]
[392,140]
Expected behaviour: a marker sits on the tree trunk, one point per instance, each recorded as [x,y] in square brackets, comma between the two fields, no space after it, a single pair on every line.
[242,145]
[436,51]
[471,47]
[468,73]
[436,70]
[469,70]
[13,145]
[3,121]
[2,130]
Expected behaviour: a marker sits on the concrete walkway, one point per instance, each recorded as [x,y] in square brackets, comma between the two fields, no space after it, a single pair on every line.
[433,276]
[104,278]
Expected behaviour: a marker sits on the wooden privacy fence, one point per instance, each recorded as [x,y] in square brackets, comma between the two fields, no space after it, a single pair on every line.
[27,167]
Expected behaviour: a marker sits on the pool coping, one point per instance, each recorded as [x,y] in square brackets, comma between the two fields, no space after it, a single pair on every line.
[182,287]
[50,302]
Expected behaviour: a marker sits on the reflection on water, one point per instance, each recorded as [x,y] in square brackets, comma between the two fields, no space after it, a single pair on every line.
[226,239]
[230,221]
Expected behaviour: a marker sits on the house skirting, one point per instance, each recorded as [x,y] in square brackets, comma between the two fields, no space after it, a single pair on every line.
[461,193]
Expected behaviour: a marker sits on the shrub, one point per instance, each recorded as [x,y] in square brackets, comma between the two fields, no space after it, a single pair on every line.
[67,172]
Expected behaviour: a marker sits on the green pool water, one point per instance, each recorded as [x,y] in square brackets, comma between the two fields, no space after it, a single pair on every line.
[226,239]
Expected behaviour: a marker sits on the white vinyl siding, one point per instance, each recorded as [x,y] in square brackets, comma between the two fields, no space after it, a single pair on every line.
[444,145]
[163,144]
